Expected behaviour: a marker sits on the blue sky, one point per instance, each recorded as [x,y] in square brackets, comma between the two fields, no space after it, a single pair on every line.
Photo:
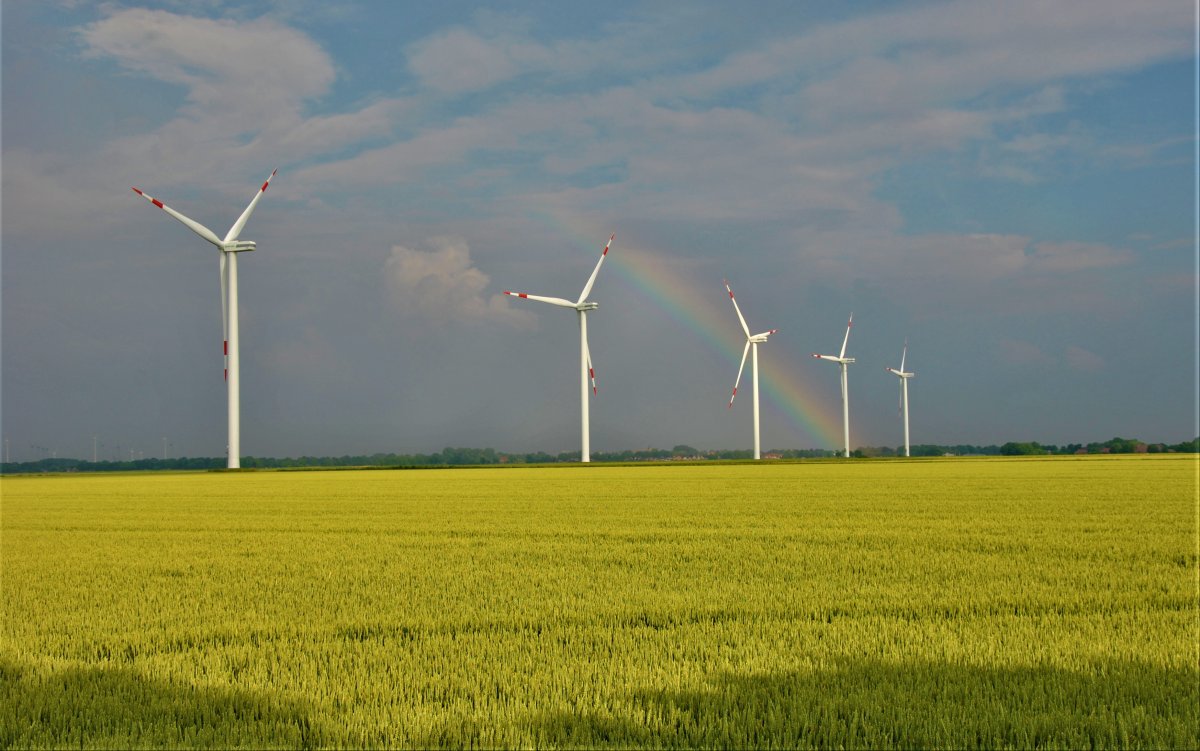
[1011,187]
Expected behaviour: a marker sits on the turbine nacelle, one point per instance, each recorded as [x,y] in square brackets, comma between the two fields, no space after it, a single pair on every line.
[900,373]
[760,338]
[238,246]
[835,358]
[583,307]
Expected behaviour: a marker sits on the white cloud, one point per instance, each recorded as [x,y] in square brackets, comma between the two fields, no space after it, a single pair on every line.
[401,162]
[856,97]
[458,61]
[242,72]
[248,84]
[943,51]
[324,133]
[443,285]
[874,72]
[829,108]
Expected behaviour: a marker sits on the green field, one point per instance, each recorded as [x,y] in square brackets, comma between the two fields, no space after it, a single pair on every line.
[950,603]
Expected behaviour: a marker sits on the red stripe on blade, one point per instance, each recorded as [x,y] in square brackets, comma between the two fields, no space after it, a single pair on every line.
[156,202]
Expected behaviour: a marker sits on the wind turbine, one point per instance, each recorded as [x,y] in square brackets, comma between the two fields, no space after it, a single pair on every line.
[752,342]
[843,361]
[580,306]
[904,376]
[229,247]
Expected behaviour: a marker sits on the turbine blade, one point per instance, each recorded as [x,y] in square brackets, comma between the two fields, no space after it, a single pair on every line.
[765,334]
[848,325]
[552,300]
[591,371]
[224,314]
[903,354]
[191,224]
[236,229]
[224,295]
[745,351]
[745,328]
[587,288]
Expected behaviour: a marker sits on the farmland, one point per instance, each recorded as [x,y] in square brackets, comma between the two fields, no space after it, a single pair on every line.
[1044,602]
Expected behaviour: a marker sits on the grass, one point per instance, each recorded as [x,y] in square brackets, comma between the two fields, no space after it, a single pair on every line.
[934,603]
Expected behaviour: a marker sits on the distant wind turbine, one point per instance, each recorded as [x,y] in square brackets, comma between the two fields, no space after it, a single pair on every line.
[904,376]
[230,246]
[580,306]
[752,342]
[843,361]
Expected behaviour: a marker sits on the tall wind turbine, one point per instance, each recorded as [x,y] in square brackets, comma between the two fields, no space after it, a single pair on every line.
[904,376]
[752,342]
[843,361]
[229,247]
[580,306]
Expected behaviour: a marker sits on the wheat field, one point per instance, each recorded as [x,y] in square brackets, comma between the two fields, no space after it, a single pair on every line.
[1044,602]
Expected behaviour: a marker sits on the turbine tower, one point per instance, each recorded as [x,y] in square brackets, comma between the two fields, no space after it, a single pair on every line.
[843,361]
[229,248]
[581,307]
[752,342]
[904,376]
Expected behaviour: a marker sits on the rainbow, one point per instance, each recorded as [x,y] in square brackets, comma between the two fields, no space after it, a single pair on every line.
[666,285]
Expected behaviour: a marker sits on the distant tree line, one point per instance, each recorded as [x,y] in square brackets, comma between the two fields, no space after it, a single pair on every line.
[1029,448]
[452,457]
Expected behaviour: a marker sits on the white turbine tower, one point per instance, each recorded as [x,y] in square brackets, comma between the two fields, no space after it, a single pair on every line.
[904,376]
[229,247]
[843,361]
[580,306]
[752,342]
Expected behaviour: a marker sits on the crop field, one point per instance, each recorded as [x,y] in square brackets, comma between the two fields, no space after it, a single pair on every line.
[1046,602]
